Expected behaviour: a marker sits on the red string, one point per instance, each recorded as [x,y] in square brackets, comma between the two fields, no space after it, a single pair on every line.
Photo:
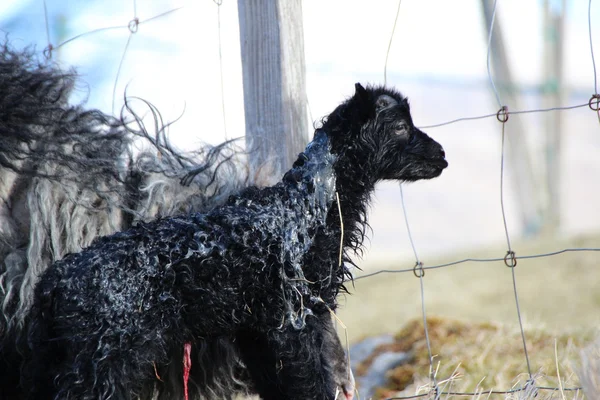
[187,365]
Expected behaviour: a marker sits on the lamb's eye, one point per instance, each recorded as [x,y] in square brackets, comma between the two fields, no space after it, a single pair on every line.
[403,129]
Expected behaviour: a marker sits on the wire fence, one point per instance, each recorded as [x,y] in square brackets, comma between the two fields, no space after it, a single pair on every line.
[511,258]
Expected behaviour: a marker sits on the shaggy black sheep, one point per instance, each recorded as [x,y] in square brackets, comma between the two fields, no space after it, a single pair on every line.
[252,283]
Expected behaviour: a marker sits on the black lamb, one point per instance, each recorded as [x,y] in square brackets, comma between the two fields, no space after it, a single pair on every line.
[250,285]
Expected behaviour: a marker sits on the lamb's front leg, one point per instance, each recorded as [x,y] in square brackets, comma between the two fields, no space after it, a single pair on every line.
[294,364]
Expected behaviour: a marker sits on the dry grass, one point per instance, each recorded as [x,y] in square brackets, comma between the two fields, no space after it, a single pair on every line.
[473,357]
[559,300]
[589,369]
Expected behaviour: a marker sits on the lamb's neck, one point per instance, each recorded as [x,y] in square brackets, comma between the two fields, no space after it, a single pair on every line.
[354,189]
[324,177]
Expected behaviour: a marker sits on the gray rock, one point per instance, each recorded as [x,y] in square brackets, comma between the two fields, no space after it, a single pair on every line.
[363,349]
[376,374]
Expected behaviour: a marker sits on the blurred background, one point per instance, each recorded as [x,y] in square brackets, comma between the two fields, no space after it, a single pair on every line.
[540,58]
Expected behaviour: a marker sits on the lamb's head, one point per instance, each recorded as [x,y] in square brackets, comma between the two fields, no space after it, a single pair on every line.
[375,131]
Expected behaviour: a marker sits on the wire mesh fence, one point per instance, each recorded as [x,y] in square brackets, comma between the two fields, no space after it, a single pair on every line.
[512,256]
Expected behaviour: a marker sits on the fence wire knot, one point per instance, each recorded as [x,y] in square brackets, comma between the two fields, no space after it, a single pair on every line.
[530,389]
[510,259]
[594,102]
[48,52]
[418,269]
[133,25]
[435,392]
[502,114]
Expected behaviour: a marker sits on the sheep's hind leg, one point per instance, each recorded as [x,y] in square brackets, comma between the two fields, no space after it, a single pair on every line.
[289,363]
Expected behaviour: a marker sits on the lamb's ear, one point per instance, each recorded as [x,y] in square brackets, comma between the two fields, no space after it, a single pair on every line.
[363,101]
[361,92]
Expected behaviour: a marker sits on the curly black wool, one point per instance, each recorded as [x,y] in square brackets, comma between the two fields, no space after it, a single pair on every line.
[68,175]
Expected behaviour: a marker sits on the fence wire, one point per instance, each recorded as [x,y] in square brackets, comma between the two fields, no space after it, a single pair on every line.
[510,259]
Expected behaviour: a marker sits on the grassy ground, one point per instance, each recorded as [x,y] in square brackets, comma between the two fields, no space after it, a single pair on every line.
[559,301]
[478,357]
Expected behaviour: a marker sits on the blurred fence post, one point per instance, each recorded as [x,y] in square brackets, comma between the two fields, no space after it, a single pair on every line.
[524,180]
[552,96]
[272,46]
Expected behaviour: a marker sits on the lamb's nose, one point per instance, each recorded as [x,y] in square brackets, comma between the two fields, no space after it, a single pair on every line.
[443,154]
